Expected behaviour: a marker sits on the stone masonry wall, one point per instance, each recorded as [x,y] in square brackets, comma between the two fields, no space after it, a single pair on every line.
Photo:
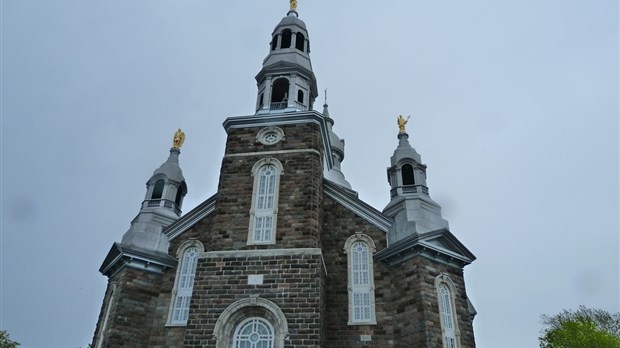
[292,282]
[416,319]
[338,225]
[300,189]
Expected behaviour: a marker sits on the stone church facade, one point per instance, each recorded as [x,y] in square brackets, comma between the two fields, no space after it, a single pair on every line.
[285,254]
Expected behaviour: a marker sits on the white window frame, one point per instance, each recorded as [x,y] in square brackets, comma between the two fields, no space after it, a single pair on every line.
[257,233]
[268,338]
[184,282]
[253,306]
[366,287]
[446,292]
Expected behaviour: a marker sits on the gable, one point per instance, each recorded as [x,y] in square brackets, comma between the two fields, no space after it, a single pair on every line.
[360,208]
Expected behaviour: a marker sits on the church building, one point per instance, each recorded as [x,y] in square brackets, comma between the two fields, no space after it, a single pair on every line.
[285,254]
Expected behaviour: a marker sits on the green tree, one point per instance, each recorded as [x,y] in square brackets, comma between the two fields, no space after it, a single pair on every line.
[5,340]
[583,328]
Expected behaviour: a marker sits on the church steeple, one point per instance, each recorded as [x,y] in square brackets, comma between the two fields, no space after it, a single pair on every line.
[162,205]
[286,83]
[411,207]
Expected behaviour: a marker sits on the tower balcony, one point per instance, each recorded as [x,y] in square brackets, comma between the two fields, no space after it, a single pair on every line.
[162,203]
[281,107]
[408,189]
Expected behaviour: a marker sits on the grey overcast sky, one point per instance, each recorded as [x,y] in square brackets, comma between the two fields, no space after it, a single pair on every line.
[514,109]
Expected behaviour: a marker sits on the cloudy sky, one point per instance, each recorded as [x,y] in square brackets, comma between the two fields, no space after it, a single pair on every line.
[514,108]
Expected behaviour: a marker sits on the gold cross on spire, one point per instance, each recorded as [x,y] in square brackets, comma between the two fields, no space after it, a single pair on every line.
[293,5]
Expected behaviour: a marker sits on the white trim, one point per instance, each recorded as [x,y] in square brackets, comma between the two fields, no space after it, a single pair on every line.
[443,282]
[366,287]
[267,210]
[227,322]
[261,137]
[261,338]
[274,152]
[179,291]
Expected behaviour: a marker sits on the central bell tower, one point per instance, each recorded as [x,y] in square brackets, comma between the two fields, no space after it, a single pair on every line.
[263,262]
[286,82]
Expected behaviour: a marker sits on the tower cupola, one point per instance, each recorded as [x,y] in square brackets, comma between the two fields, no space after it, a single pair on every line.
[165,191]
[286,83]
[411,207]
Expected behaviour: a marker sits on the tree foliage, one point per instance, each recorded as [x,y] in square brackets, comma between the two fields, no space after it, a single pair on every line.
[583,328]
[5,340]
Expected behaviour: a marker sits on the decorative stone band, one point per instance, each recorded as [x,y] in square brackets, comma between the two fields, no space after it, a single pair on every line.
[265,252]
[287,119]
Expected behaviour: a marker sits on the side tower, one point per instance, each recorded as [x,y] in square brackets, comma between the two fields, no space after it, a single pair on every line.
[136,265]
[259,282]
[425,259]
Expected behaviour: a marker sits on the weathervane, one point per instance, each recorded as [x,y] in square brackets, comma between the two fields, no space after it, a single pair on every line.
[178,140]
[401,123]
[293,5]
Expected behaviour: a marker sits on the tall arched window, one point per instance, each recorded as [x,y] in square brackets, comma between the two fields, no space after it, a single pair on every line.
[274,42]
[287,35]
[407,173]
[181,191]
[359,249]
[447,314]
[158,189]
[279,93]
[184,282]
[300,96]
[264,212]
[300,41]
[254,332]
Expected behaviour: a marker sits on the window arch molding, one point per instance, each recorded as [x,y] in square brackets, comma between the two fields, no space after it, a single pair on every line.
[360,267]
[181,293]
[446,293]
[264,208]
[243,309]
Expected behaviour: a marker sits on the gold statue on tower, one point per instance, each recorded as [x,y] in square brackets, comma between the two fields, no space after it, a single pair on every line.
[401,123]
[178,140]
[293,5]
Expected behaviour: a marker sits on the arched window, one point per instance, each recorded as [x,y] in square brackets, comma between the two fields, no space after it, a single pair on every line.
[251,322]
[287,35]
[300,41]
[447,314]
[184,282]
[279,93]
[181,191]
[263,214]
[158,189]
[274,42]
[300,96]
[407,173]
[254,332]
[359,248]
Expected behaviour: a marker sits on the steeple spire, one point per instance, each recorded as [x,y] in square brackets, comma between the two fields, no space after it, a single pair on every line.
[411,207]
[162,204]
[286,83]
